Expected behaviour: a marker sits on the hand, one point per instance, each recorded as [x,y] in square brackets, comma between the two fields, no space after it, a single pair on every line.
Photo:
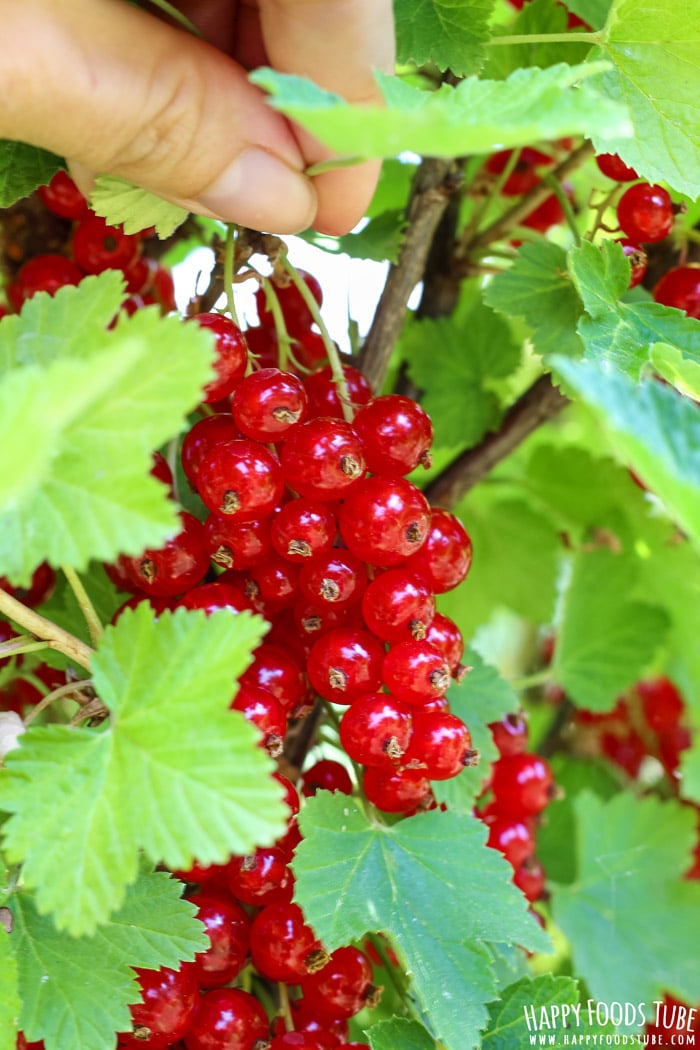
[117,90]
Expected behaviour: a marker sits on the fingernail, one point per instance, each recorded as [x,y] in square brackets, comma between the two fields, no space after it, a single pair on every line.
[261,191]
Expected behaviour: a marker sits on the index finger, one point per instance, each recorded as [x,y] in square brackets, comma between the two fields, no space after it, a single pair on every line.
[338,44]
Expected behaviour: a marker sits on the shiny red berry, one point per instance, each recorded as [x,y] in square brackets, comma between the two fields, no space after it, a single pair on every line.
[398,604]
[376,730]
[240,479]
[344,663]
[169,1004]
[323,459]
[231,355]
[227,1019]
[613,167]
[342,987]
[396,433]
[97,246]
[176,566]
[522,784]
[446,556]
[326,775]
[415,672]
[395,791]
[267,404]
[680,287]
[43,273]
[283,947]
[322,391]
[202,437]
[384,520]
[297,316]
[645,212]
[227,926]
[62,197]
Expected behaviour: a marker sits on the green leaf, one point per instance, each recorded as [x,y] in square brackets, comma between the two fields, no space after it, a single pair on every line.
[452,361]
[145,779]
[380,239]
[70,324]
[630,919]
[399,1034]
[538,19]
[605,638]
[651,428]
[477,116]
[9,993]
[122,203]
[690,774]
[62,607]
[594,12]
[70,421]
[671,365]
[393,187]
[623,333]
[482,697]
[522,1006]
[656,72]
[22,169]
[538,289]
[445,33]
[431,885]
[75,992]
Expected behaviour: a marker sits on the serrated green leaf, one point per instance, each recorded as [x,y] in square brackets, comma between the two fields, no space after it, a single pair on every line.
[122,203]
[450,34]
[651,428]
[482,697]
[655,51]
[399,1034]
[145,779]
[605,638]
[86,430]
[538,289]
[528,999]
[22,169]
[75,992]
[619,333]
[477,116]
[452,361]
[70,324]
[630,919]
[9,993]
[380,239]
[431,885]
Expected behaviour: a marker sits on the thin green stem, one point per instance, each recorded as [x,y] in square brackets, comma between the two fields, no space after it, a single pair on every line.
[20,645]
[177,16]
[333,165]
[57,694]
[531,680]
[482,208]
[331,349]
[285,1006]
[82,597]
[229,270]
[598,213]
[548,38]
[50,632]
[283,338]
[569,214]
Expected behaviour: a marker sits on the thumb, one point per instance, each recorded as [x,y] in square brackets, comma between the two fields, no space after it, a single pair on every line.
[115,90]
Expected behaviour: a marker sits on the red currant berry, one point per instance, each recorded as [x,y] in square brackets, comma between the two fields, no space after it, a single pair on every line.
[262,877]
[174,568]
[548,213]
[342,987]
[169,1003]
[613,167]
[228,928]
[376,730]
[313,619]
[415,672]
[446,636]
[263,710]
[662,704]
[267,404]
[274,670]
[202,437]
[326,775]
[43,273]
[297,316]
[525,175]
[680,287]
[227,1019]
[303,528]
[299,1041]
[510,734]
[97,246]
[237,545]
[395,790]
[336,577]
[322,391]
[323,459]
[231,355]
[530,878]
[446,556]
[344,663]
[522,784]
[645,213]
[283,947]
[276,581]
[396,433]
[397,605]
[240,479]
[637,258]
[211,597]
[39,590]
[513,837]
[62,197]
[384,520]
[440,744]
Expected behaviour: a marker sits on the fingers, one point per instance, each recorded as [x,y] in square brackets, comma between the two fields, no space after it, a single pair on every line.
[338,44]
[117,91]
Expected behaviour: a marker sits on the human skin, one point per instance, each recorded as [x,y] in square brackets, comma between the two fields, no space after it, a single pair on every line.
[116,89]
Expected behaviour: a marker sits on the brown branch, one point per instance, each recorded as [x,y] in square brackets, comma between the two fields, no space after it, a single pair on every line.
[435,182]
[39,627]
[513,216]
[541,402]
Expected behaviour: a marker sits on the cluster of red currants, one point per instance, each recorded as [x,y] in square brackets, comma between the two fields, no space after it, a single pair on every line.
[521,787]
